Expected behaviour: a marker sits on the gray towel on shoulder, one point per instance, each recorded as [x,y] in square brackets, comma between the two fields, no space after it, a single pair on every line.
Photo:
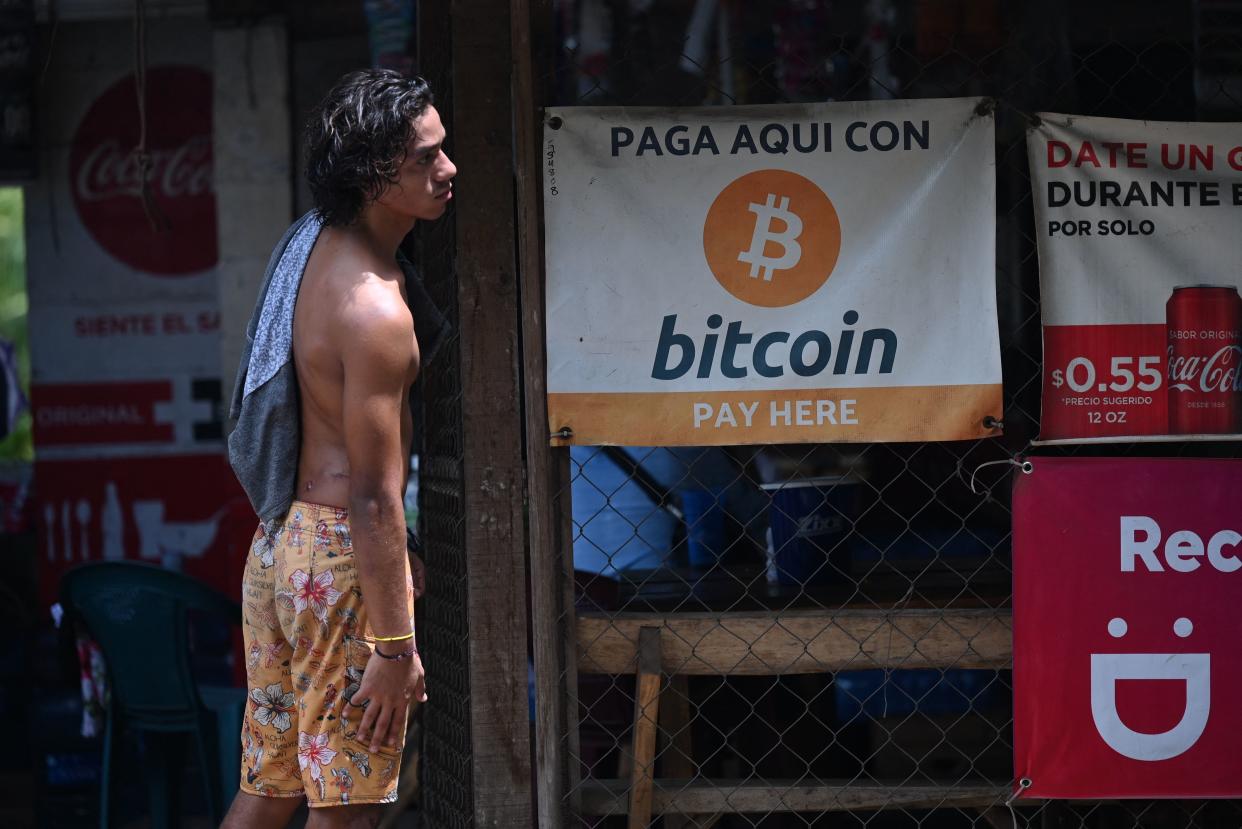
[266,438]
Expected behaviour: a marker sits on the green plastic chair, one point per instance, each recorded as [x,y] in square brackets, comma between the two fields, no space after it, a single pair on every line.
[138,615]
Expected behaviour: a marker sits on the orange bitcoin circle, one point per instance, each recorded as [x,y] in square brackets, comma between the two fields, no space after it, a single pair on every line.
[772,238]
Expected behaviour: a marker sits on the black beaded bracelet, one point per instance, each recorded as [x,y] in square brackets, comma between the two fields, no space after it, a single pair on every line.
[396,656]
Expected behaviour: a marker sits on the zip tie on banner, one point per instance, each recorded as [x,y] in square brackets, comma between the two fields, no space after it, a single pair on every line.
[1025,465]
[1032,119]
[1023,784]
[986,107]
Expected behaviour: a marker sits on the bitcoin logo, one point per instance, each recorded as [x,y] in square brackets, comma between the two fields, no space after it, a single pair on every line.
[787,239]
[772,238]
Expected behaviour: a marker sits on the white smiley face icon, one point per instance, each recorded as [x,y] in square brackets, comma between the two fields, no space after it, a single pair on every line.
[1193,668]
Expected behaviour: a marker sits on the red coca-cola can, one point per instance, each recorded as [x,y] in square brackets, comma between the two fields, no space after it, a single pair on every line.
[1204,371]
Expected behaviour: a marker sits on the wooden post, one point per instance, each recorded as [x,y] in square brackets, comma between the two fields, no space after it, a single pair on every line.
[471,60]
[569,626]
[547,480]
[646,714]
[675,723]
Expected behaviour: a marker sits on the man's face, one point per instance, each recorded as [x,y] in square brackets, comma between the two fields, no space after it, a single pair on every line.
[424,181]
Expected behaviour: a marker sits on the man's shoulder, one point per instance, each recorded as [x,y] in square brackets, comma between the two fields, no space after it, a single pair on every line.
[360,286]
[375,325]
[374,299]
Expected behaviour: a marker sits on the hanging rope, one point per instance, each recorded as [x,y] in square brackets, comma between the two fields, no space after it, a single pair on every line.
[1026,466]
[142,155]
[54,25]
[1023,784]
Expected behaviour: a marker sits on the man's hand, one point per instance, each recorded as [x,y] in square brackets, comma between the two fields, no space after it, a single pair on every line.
[390,685]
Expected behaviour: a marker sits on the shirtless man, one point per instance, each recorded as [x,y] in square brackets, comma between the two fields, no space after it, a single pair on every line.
[328,597]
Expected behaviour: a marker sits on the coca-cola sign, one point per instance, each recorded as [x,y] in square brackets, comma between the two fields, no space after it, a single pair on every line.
[105,178]
[1217,372]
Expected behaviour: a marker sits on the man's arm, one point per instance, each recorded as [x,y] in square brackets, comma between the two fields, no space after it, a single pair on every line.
[376,362]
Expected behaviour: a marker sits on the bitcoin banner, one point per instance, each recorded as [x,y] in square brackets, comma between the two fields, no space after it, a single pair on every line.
[1137,226]
[802,273]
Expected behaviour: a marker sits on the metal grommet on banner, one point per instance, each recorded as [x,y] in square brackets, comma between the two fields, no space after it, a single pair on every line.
[555,122]
[990,422]
[563,433]
[1027,467]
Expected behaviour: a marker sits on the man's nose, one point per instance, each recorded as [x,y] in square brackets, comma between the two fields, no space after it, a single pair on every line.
[448,169]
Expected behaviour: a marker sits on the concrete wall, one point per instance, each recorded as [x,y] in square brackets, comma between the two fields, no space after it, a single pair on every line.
[254,183]
[318,62]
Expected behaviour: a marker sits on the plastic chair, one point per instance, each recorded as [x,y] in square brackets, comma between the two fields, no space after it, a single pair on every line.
[138,615]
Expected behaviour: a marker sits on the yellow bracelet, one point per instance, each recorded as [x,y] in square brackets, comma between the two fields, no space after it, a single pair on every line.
[409,635]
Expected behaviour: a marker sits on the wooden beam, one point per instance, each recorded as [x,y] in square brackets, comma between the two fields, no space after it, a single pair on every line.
[646,715]
[700,797]
[773,643]
[493,518]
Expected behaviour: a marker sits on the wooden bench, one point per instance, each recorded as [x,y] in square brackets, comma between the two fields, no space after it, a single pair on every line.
[771,643]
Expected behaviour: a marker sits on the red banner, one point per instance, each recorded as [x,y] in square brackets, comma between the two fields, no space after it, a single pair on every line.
[184,512]
[1126,657]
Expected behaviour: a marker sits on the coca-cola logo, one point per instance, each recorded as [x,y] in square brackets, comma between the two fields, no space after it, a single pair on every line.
[105,176]
[111,170]
[1217,372]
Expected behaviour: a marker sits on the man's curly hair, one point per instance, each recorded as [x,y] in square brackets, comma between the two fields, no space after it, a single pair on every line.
[356,140]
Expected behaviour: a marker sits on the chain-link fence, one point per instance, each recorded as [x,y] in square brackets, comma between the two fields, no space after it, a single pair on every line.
[869,686]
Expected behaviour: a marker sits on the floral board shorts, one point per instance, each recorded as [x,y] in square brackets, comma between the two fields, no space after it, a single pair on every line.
[307,643]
